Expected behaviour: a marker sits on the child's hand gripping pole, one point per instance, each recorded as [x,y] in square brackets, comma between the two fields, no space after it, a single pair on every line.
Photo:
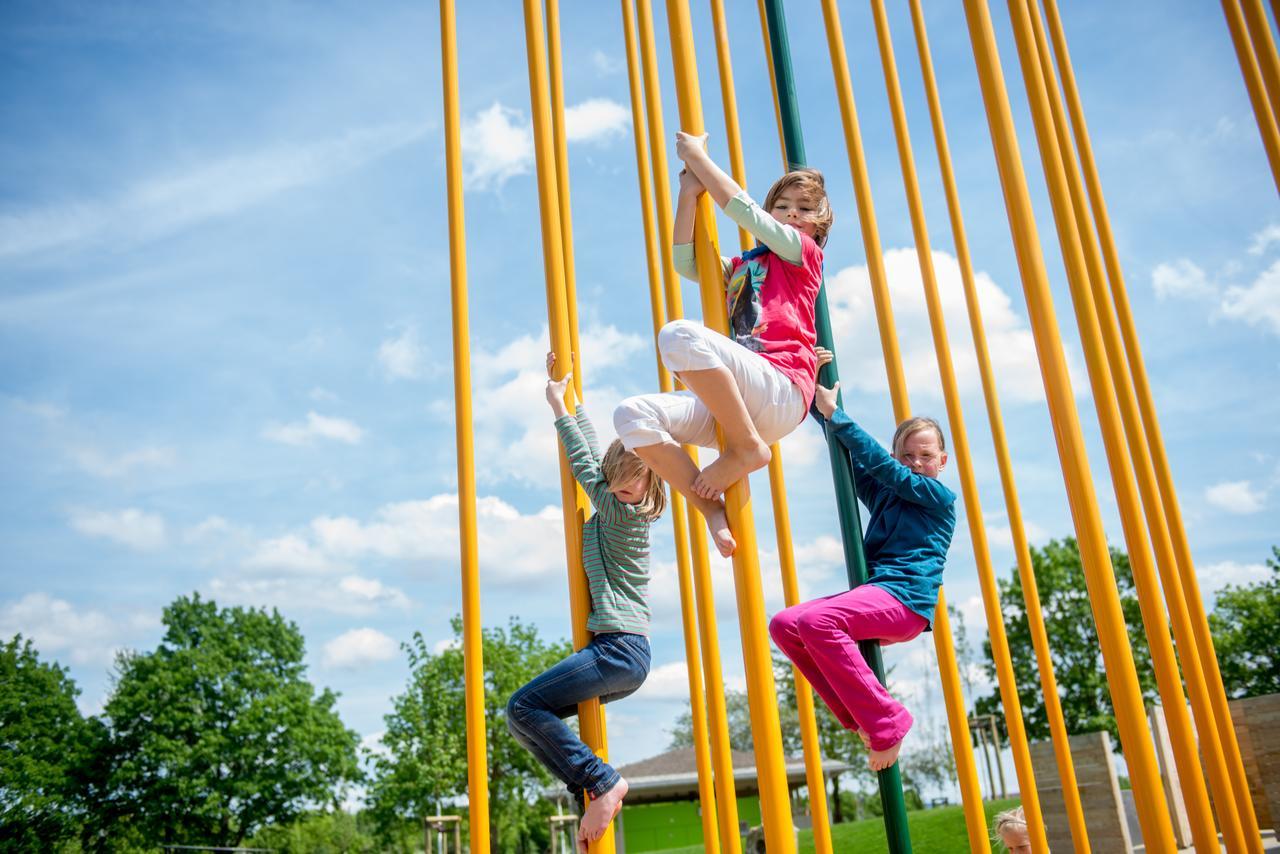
[558,390]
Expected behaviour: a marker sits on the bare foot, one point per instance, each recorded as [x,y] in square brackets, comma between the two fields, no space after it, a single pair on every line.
[601,811]
[882,759]
[718,524]
[733,465]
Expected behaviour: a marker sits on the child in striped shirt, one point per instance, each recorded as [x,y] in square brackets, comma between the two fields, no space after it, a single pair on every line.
[627,498]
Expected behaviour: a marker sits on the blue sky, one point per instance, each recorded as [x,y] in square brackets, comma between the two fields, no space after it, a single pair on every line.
[223,313]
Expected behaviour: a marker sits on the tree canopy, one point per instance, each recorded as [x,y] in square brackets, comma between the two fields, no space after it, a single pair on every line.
[1245,624]
[217,731]
[44,746]
[423,764]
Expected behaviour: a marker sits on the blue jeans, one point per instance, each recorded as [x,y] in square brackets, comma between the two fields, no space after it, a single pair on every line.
[611,667]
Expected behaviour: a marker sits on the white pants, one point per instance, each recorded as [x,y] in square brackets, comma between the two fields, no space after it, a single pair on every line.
[774,403]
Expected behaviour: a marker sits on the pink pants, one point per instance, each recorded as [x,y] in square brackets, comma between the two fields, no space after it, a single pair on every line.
[820,637]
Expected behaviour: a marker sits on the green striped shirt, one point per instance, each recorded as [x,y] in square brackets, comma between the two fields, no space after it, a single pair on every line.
[615,540]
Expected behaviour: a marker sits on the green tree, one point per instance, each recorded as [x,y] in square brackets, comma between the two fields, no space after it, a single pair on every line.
[218,732]
[334,832]
[44,748]
[1245,624]
[1073,642]
[424,766]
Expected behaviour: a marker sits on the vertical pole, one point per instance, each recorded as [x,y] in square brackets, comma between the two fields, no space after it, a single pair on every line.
[995,740]
[775,800]
[1264,48]
[726,801]
[1253,85]
[948,672]
[590,719]
[777,484]
[1118,417]
[1013,505]
[680,522]
[1099,576]
[1203,640]
[472,642]
[1000,654]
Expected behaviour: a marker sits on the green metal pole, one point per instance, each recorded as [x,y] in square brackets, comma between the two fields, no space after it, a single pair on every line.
[890,780]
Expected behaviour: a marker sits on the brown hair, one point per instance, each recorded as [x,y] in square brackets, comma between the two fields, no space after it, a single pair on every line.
[813,189]
[620,465]
[914,425]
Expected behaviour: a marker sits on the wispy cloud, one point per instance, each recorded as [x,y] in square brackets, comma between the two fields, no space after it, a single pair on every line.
[353,595]
[596,120]
[497,145]
[1236,496]
[134,528]
[85,635]
[402,357]
[315,426]
[1181,279]
[100,464]
[158,206]
[358,648]
[1256,303]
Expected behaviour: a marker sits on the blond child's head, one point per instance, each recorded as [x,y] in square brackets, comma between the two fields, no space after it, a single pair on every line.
[1011,831]
[799,198]
[632,481]
[919,445]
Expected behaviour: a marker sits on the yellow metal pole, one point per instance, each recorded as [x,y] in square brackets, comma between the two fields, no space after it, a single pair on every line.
[814,778]
[773,79]
[1264,49]
[590,719]
[472,645]
[1155,443]
[1254,86]
[1005,677]
[1098,324]
[1099,576]
[949,674]
[775,803]
[726,800]
[1013,506]
[688,614]
[562,185]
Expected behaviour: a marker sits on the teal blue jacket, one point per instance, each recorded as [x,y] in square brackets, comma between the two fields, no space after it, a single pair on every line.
[912,518]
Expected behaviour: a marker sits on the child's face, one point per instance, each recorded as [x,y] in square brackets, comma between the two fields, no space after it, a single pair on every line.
[922,453]
[1016,839]
[790,208]
[631,491]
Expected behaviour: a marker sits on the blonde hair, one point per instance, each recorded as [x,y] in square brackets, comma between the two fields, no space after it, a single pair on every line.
[813,189]
[914,425]
[620,465]
[1014,819]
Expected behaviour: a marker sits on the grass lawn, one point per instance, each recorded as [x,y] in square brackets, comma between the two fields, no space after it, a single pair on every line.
[935,831]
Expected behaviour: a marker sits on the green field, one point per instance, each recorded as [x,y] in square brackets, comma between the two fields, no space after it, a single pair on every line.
[935,831]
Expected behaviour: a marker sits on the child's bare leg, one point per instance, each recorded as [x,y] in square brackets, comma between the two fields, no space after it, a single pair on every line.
[669,461]
[744,450]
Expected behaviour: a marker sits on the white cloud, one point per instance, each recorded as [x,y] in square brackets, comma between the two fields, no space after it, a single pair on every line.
[497,144]
[1236,496]
[1181,279]
[444,644]
[668,681]
[1263,239]
[604,63]
[211,527]
[1215,576]
[357,648]
[595,120]
[1257,304]
[163,205]
[58,628]
[402,357]
[315,426]
[130,527]
[40,409]
[289,553]
[1010,341]
[102,465]
[354,595]
[322,395]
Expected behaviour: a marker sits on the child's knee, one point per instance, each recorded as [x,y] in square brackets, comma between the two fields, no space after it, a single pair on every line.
[516,712]
[631,418]
[812,624]
[782,628]
[675,336]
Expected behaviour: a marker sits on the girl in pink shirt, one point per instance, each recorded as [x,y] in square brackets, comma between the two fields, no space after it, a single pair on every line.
[758,384]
